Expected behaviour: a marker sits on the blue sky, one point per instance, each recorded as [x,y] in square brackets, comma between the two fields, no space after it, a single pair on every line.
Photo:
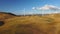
[17,6]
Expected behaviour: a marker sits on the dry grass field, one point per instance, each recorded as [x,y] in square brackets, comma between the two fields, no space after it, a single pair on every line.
[48,24]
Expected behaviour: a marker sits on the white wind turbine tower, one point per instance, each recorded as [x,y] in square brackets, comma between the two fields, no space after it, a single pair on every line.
[44,8]
[42,12]
[33,11]
[24,11]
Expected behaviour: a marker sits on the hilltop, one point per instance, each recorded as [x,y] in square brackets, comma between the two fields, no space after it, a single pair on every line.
[6,15]
[30,24]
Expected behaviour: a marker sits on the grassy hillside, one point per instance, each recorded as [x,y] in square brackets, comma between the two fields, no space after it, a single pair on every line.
[32,24]
[4,15]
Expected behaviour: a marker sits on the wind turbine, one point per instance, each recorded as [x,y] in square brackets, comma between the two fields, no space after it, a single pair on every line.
[24,11]
[33,11]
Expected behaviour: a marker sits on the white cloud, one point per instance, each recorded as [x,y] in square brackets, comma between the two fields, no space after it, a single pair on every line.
[46,7]
[33,8]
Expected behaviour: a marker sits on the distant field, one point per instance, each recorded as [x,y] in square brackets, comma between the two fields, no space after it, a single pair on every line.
[31,24]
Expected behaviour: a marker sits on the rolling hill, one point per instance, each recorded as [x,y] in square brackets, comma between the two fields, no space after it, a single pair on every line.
[31,24]
[5,15]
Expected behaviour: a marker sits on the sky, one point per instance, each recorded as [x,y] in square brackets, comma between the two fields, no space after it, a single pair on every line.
[19,6]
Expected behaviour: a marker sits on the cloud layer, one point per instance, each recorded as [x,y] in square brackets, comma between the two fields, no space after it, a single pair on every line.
[46,7]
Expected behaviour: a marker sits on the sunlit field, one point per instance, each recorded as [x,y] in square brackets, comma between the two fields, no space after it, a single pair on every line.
[30,24]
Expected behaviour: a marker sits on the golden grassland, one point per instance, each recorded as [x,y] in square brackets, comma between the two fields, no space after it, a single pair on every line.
[48,24]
